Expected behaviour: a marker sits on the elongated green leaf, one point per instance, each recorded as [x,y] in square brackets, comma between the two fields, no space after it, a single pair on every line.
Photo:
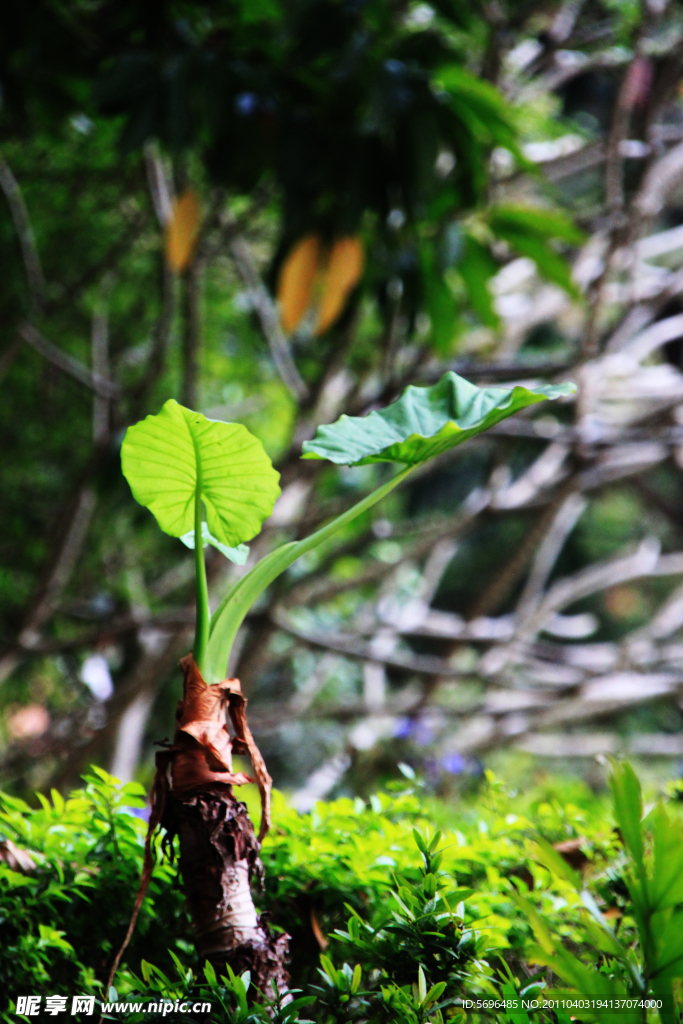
[628,808]
[238,555]
[476,268]
[424,422]
[534,220]
[544,853]
[482,109]
[439,301]
[549,263]
[167,456]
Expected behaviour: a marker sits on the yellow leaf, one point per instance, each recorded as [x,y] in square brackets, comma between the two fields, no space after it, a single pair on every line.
[344,268]
[182,231]
[296,281]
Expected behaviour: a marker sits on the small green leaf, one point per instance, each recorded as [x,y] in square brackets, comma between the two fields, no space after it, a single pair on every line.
[355,981]
[419,841]
[165,457]
[435,842]
[434,993]
[424,422]
[421,985]
[329,969]
[460,894]
[238,555]
[429,885]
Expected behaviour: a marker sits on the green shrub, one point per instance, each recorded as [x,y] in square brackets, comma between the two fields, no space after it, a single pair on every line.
[412,920]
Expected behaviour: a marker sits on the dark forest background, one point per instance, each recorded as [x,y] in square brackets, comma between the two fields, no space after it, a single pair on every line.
[511,174]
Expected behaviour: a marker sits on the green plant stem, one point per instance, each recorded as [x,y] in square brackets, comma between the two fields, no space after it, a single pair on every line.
[234,607]
[203,620]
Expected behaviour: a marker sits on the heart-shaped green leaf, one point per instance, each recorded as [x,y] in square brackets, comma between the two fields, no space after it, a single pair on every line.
[166,457]
[238,555]
[423,422]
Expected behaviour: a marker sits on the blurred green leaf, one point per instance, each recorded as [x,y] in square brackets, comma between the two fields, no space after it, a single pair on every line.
[628,808]
[476,268]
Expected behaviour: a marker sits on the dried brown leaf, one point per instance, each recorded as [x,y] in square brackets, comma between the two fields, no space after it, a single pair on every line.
[182,231]
[297,280]
[343,272]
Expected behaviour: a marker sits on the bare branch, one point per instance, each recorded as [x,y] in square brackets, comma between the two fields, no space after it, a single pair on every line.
[106,388]
[549,551]
[27,240]
[268,317]
[660,181]
[100,370]
[349,645]
[63,565]
[160,184]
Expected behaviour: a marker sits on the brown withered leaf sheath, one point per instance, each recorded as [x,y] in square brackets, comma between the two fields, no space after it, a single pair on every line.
[192,798]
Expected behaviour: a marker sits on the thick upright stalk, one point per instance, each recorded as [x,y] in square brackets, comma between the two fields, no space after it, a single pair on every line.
[201,635]
[232,610]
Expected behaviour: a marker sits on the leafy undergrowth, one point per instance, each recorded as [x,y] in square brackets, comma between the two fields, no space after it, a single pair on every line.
[391,921]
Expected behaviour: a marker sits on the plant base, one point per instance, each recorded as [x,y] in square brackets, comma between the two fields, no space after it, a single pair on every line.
[219,857]
[192,798]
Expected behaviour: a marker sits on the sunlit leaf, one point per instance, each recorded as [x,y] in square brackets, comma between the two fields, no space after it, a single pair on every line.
[165,457]
[182,231]
[424,422]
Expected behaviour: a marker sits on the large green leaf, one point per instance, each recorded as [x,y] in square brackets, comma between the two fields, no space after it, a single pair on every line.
[166,457]
[423,422]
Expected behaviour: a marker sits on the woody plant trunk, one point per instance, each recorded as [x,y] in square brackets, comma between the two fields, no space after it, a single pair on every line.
[192,797]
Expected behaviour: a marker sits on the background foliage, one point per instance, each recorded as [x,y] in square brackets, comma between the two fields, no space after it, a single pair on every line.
[510,177]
